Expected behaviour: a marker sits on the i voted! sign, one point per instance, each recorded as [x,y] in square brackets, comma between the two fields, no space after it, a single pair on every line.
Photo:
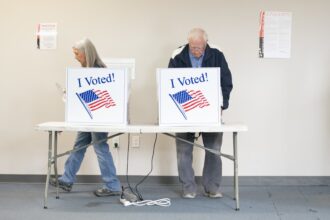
[97,96]
[189,96]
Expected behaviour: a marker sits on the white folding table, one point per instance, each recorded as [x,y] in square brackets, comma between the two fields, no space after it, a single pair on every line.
[53,128]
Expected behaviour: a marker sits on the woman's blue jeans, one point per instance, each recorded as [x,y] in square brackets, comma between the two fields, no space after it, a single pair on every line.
[104,157]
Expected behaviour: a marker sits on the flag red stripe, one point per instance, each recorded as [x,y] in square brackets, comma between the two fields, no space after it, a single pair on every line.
[198,100]
[104,100]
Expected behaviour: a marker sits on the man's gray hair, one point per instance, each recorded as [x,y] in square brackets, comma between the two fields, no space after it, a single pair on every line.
[197,33]
[92,57]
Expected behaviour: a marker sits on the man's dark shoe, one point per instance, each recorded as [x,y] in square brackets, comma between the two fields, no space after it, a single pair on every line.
[65,186]
[106,192]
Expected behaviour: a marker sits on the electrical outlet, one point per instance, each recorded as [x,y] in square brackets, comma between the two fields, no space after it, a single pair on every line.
[115,142]
[135,141]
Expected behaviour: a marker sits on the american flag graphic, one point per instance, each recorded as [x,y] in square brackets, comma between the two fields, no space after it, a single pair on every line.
[188,100]
[95,99]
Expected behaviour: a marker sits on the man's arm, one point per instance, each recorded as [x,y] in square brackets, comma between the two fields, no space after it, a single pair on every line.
[226,82]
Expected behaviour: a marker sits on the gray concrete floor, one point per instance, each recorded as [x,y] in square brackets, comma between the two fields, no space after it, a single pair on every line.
[25,201]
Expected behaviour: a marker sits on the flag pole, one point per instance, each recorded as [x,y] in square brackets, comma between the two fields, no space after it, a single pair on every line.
[86,108]
[179,107]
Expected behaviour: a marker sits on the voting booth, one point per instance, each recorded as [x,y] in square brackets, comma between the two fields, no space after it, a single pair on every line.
[97,96]
[189,96]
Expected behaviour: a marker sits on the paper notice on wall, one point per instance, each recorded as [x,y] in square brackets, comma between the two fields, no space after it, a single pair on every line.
[275,34]
[47,36]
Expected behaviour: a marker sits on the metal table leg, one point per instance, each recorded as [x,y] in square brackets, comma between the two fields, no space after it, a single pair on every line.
[50,141]
[236,170]
[55,164]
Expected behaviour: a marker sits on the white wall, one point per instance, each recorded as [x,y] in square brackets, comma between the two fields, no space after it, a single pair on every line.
[285,102]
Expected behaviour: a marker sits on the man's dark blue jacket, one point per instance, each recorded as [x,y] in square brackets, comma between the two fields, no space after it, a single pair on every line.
[212,58]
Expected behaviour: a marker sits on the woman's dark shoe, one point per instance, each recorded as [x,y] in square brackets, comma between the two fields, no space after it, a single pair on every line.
[106,192]
[65,186]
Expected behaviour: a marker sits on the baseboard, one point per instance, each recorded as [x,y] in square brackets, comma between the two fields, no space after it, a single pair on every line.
[226,180]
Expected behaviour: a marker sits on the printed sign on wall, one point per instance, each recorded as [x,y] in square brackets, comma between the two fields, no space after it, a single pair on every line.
[189,96]
[275,34]
[47,36]
[97,95]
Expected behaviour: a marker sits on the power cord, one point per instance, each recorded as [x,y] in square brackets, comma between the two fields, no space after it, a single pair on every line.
[132,196]
[151,169]
[165,202]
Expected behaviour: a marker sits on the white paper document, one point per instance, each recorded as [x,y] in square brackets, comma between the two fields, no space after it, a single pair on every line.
[275,34]
[47,36]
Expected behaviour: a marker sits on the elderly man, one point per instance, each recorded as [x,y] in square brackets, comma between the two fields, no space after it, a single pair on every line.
[197,53]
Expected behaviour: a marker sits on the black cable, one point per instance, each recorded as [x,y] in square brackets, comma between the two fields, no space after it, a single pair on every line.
[127,162]
[151,168]
[136,191]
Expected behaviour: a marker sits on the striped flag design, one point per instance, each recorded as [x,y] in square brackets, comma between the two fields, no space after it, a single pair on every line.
[95,99]
[189,100]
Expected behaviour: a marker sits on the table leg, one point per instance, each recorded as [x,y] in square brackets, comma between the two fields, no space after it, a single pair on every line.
[55,164]
[236,170]
[50,141]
